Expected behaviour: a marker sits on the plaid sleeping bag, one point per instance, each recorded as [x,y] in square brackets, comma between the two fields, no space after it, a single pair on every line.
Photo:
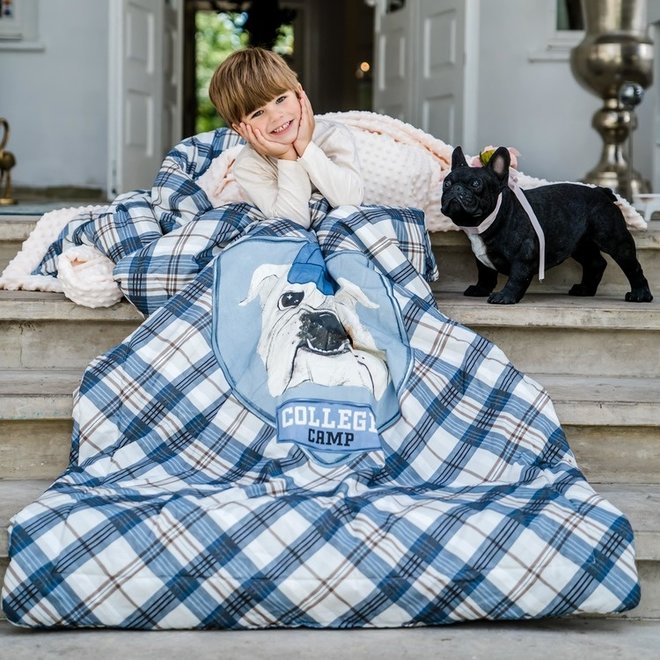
[297,436]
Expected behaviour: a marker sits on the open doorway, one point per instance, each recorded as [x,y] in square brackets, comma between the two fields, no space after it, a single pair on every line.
[329,45]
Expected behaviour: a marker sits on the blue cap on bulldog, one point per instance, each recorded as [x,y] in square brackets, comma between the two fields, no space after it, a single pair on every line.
[309,266]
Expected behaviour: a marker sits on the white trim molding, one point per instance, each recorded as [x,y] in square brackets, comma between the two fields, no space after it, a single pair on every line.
[558,47]
[559,43]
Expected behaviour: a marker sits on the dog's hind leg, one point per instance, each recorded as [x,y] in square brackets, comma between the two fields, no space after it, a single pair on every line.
[486,282]
[588,255]
[620,245]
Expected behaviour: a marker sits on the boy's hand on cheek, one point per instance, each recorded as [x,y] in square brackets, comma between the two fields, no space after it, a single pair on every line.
[262,145]
[306,125]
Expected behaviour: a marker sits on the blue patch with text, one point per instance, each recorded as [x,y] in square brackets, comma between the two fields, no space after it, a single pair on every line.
[328,426]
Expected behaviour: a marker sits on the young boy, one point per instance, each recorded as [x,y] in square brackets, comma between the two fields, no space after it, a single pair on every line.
[288,154]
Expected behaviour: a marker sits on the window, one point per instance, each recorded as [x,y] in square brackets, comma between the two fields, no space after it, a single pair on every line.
[564,31]
[569,15]
[10,24]
[18,25]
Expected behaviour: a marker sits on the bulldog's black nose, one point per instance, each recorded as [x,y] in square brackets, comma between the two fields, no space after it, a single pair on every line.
[322,332]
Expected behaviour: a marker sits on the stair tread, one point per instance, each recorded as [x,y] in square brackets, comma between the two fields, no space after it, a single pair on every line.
[36,306]
[604,400]
[550,310]
[52,389]
[601,389]
[640,502]
[27,394]
[38,382]
[15,228]
[574,386]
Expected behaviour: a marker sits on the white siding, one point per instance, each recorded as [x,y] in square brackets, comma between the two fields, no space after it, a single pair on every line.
[537,105]
[55,99]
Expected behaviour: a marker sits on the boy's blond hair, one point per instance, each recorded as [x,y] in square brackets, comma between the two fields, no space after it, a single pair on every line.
[249,79]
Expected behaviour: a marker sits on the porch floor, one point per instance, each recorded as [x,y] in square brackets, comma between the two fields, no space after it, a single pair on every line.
[557,638]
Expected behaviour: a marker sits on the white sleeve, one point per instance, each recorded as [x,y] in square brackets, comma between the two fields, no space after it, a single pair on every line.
[278,191]
[332,165]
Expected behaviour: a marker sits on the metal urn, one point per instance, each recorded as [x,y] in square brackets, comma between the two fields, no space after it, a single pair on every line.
[615,62]
[7,161]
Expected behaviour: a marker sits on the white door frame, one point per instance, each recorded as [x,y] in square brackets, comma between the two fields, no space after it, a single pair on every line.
[399,89]
[115,119]
[166,94]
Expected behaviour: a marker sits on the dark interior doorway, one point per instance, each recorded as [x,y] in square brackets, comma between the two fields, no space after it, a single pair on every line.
[329,45]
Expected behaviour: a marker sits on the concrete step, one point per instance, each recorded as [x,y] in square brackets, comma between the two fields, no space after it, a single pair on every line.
[581,400]
[640,503]
[35,421]
[14,229]
[612,424]
[17,222]
[40,329]
[453,253]
[543,333]
[551,334]
[457,268]
[568,639]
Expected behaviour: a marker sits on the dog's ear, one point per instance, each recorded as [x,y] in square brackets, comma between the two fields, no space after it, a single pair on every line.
[263,282]
[348,291]
[347,297]
[499,162]
[458,158]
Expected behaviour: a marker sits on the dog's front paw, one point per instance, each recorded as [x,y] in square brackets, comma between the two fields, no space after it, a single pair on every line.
[476,291]
[639,295]
[500,298]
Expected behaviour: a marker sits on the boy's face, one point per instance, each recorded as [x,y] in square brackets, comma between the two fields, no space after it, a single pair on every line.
[278,120]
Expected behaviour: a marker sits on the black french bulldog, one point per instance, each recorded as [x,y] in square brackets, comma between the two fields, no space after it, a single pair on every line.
[578,221]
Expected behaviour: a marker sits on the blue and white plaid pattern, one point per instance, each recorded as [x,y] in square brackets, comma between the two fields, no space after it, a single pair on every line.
[181,510]
[162,238]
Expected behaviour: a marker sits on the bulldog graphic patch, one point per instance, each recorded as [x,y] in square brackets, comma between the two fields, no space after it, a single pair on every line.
[321,358]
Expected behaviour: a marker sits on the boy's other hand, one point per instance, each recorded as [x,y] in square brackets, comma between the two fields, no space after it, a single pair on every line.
[306,125]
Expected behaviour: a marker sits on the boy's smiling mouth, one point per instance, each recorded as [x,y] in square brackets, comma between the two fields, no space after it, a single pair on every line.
[282,128]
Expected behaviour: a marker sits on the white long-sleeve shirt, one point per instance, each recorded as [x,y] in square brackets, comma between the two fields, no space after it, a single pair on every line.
[282,188]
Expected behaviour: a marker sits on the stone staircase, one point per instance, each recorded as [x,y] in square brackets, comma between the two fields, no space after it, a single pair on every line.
[598,357]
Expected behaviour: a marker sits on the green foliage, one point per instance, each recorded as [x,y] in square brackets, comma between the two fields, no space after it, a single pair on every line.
[284,43]
[218,35]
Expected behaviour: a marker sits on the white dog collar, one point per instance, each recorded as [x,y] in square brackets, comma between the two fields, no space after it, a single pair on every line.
[488,221]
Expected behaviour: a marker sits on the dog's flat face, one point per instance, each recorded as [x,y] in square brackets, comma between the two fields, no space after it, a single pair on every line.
[308,336]
[469,194]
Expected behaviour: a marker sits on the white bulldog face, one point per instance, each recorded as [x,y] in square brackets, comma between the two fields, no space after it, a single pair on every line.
[307,336]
